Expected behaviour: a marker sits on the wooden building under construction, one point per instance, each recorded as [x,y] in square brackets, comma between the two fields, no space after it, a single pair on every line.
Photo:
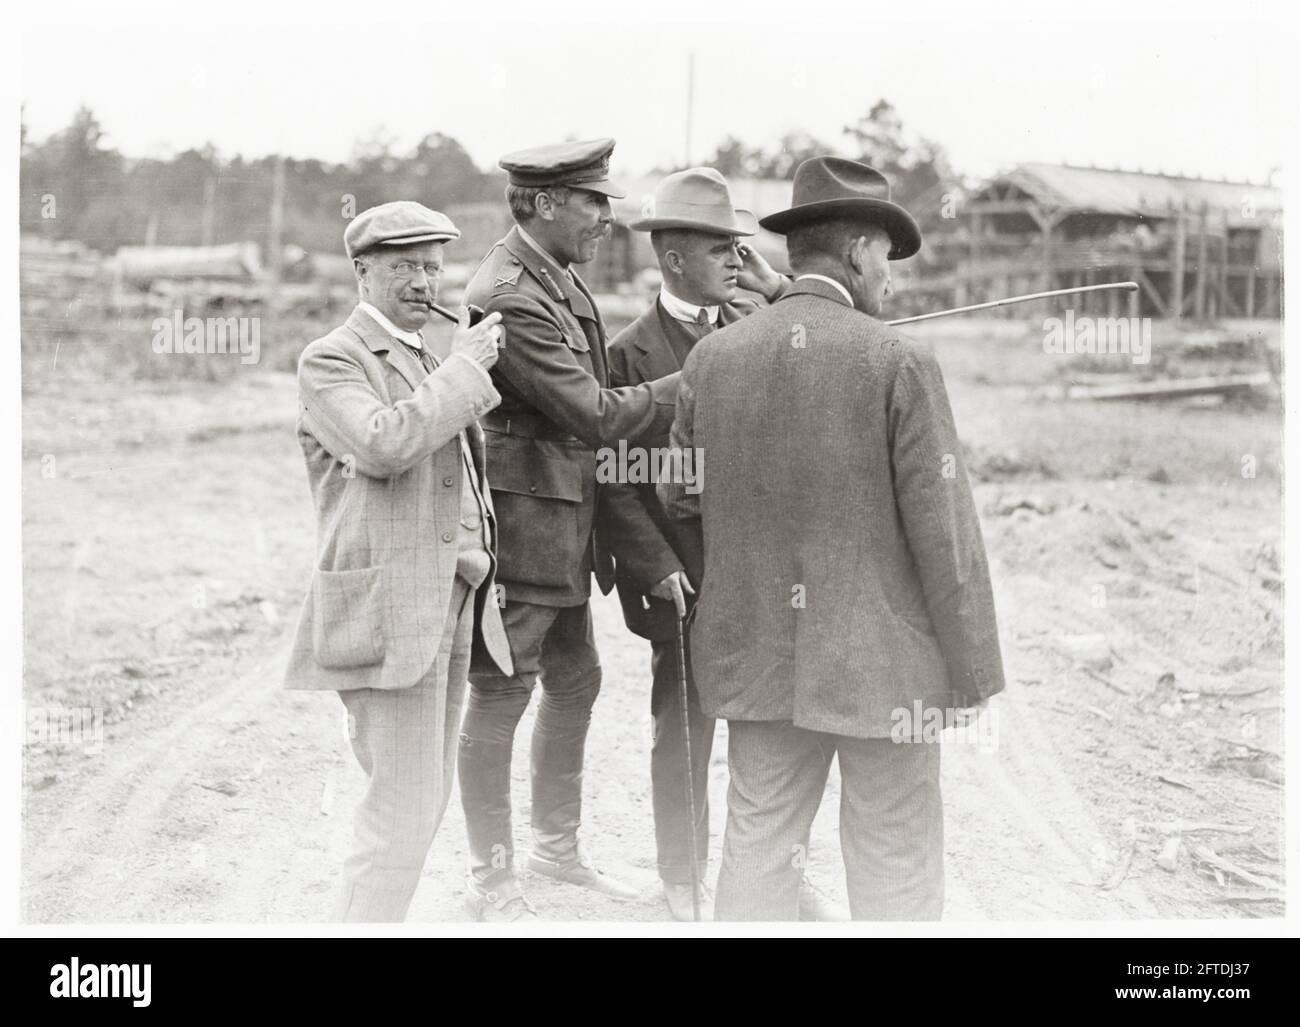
[1201,249]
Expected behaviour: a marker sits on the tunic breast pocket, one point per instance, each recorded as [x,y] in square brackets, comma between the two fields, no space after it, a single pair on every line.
[538,495]
[574,337]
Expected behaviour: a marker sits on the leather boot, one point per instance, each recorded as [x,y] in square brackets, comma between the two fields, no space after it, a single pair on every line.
[557,794]
[557,814]
[484,769]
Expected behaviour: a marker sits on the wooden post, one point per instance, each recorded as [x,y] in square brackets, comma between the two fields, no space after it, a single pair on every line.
[1047,222]
[1202,255]
[1047,254]
[275,229]
[274,245]
[1179,263]
[208,225]
[1228,306]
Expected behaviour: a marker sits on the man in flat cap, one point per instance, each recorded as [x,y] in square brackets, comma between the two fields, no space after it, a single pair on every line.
[838,515]
[696,234]
[405,542]
[557,408]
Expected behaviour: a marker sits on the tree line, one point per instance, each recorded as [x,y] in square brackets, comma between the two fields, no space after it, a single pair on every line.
[73,185]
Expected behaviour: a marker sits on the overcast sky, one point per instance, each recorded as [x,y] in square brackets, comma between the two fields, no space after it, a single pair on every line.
[1169,89]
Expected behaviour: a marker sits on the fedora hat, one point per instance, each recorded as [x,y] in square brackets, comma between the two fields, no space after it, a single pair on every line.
[826,187]
[696,198]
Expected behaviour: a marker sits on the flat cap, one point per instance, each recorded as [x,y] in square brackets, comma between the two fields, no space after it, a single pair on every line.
[400,223]
[582,165]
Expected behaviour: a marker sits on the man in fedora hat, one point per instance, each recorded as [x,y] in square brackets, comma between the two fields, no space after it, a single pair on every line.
[557,407]
[406,532]
[838,516]
[697,235]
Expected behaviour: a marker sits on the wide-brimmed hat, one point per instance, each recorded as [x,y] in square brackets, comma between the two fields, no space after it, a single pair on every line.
[827,187]
[697,198]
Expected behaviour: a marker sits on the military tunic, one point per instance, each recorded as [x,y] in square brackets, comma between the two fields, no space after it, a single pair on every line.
[556,410]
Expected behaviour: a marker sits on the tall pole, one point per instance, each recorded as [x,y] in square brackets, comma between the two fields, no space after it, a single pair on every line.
[274,242]
[690,105]
[207,226]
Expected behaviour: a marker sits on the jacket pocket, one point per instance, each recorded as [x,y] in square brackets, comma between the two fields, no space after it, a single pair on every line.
[574,337]
[537,492]
[348,618]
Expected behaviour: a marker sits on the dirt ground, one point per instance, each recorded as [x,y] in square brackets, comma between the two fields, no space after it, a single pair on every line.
[1136,556]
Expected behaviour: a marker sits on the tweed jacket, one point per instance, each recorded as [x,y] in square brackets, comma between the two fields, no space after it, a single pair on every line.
[845,576]
[557,409]
[385,466]
[645,544]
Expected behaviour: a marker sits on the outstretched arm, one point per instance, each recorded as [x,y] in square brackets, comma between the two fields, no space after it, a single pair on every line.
[539,365]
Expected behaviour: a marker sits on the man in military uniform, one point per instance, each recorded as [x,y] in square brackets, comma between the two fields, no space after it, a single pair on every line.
[556,409]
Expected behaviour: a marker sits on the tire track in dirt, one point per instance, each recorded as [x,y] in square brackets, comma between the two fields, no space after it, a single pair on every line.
[140,839]
[113,840]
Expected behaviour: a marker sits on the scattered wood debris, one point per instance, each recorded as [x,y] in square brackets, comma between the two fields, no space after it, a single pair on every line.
[1174,388]
[1130,847]
[1222,866]
[1193,826]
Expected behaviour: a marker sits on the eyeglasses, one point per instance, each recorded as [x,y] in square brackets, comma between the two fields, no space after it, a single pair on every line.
[408,270]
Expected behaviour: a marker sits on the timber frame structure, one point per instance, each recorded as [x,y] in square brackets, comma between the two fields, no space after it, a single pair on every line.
[1203,249]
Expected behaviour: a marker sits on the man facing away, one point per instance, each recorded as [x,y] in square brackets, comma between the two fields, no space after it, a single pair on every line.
[696,233]
[837,515]
[405,536]
[557,408]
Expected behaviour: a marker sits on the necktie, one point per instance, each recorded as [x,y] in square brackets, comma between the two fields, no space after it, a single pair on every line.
[701,326]
[421,354]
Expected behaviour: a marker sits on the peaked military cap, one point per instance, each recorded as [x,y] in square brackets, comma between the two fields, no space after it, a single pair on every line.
[583,165]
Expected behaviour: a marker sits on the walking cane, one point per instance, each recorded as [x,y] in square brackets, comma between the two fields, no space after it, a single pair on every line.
[1126,286]
[690,768]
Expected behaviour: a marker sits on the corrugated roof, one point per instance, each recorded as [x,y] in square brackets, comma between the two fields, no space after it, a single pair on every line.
[1132,193]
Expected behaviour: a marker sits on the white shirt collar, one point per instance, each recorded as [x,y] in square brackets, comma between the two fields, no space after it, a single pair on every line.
[829,281]
[412,339]
[684,311]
